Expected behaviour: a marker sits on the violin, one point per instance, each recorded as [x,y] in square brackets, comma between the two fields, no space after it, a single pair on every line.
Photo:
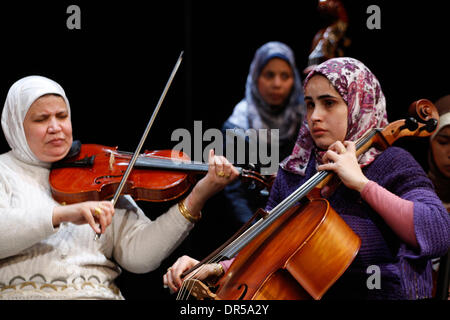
[96,172]
[93,172]
[302,246]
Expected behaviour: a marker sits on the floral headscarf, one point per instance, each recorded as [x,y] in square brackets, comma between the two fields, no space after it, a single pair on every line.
[361,91]
[254,112]
[20,97]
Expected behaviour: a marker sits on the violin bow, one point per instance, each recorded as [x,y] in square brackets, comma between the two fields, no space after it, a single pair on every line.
[144,136]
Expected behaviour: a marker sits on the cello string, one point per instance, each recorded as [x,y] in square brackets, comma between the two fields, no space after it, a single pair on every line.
[276,212]
[287,203]
[185,290]
[260,225]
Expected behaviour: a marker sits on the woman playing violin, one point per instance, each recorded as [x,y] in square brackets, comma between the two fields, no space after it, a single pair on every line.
[385,197]
[48,250]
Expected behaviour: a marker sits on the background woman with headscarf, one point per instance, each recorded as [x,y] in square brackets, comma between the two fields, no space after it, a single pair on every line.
[385,197]
[48,251]
[439,173]
[273,100]
[439,155]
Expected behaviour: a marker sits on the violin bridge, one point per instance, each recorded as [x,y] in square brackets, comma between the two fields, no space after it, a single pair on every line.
[111,161]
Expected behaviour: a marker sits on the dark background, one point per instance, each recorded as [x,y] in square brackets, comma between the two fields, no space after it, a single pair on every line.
[114,69]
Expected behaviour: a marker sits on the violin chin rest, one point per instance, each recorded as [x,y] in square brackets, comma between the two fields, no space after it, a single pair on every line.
[74,149]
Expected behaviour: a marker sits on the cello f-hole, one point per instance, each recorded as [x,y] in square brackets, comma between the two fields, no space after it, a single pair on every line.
[243,292]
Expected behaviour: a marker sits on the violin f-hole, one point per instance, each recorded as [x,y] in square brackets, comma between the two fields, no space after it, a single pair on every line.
[98,179]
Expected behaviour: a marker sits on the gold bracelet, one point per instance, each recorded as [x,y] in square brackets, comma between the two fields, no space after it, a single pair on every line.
[218,270]
[185,212]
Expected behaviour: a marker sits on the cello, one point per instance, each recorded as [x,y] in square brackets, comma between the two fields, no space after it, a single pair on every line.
[302,246]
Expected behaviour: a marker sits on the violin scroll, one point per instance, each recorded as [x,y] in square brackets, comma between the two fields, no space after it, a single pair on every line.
[255,180]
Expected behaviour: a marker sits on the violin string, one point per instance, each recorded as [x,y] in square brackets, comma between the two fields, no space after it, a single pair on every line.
[154,158]
[181,164]
[173,163]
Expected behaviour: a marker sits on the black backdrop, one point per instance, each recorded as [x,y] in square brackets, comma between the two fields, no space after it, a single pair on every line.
[115,67]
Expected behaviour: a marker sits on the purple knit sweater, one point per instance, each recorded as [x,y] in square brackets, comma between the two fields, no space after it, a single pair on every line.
[405,272]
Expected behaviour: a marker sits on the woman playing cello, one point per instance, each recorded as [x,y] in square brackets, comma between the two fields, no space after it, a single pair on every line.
[48,251]
[385,197]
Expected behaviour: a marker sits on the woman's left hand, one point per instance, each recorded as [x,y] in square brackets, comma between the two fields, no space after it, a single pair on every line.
[220,173]
[341,158]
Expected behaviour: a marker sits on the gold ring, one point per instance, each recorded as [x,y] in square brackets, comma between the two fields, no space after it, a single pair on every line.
[98,212]
[169,269]
[227,176]
[221,173]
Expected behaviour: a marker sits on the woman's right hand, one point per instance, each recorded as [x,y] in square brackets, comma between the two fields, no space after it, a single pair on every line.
[172,278]
[90,212]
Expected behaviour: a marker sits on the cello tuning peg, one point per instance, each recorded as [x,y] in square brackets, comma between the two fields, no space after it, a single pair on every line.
[430,125]
[410,123]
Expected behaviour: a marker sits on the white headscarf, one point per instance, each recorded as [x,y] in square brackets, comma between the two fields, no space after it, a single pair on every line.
[20,97]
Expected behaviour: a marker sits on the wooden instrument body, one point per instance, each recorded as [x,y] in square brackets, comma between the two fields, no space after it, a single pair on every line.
[100,181]
[298,257]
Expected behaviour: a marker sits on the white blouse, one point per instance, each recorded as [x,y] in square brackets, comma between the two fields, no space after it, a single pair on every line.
[38,261]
